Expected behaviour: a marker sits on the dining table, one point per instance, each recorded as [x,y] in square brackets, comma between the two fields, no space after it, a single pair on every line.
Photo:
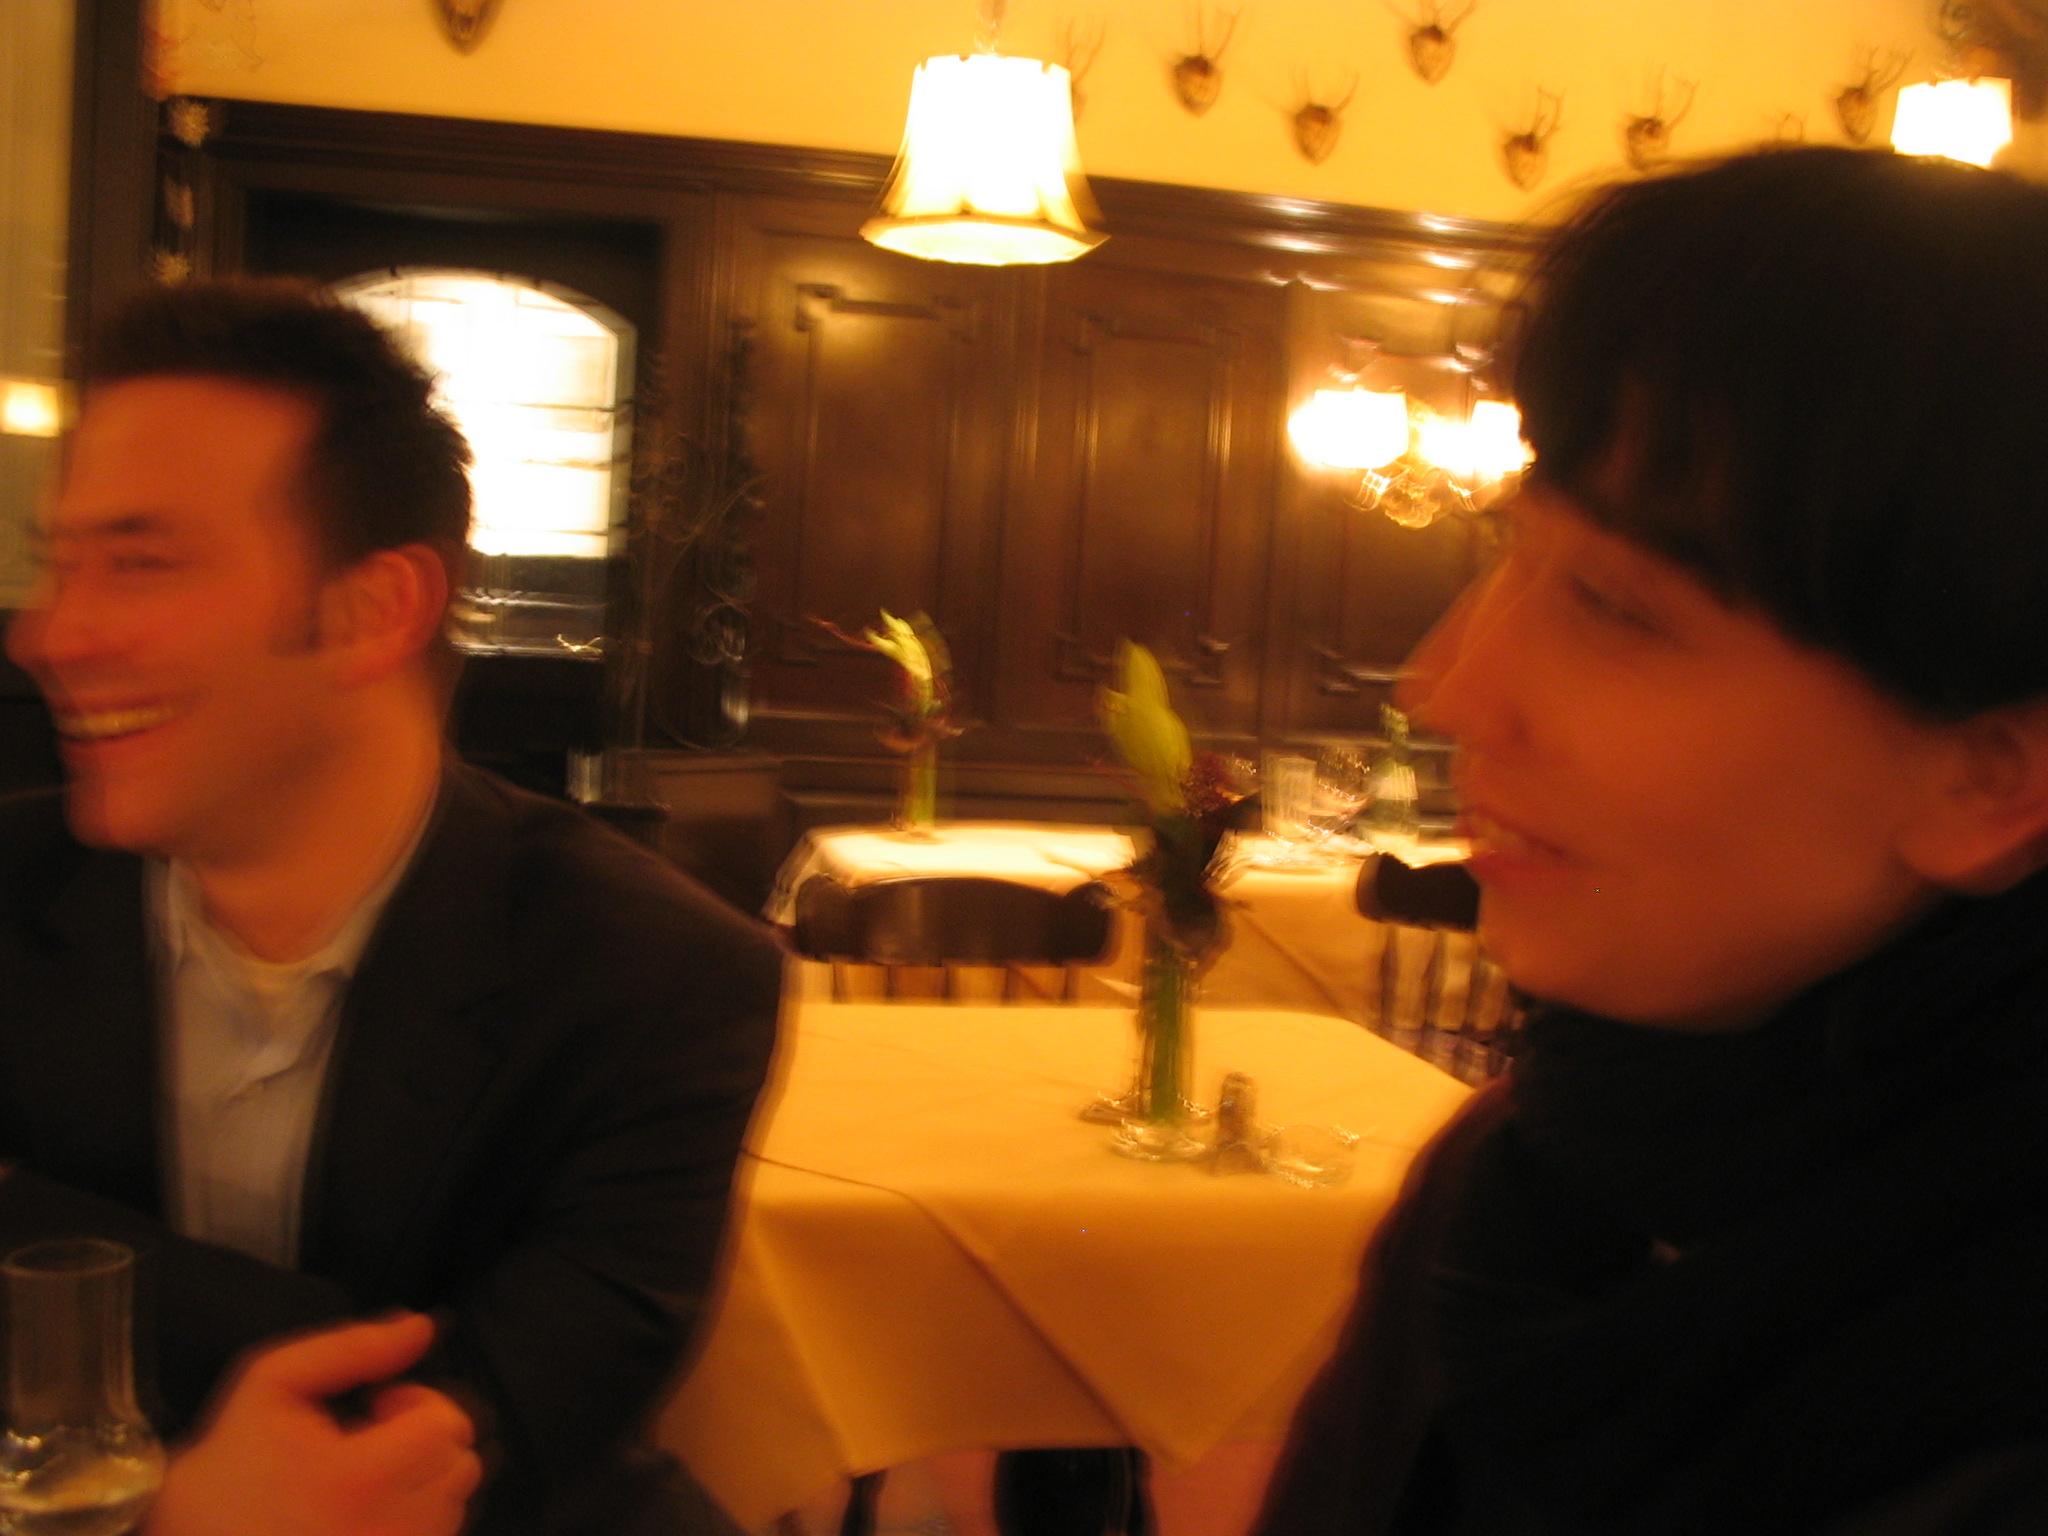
[1296,938]
[932,1251]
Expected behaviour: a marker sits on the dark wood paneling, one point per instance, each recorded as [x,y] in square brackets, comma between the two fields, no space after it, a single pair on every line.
[877,428]
[1044,460]
[1147,511]
[113,167]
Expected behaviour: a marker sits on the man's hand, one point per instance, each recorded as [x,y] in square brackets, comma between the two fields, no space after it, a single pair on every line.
[274,1462]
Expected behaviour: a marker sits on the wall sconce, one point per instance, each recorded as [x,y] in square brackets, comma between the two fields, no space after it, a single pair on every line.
[31,408]
[1967,120]
[989,172]
[1413,464]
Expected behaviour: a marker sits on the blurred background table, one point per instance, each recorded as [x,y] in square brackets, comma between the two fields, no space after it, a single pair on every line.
[933,1252]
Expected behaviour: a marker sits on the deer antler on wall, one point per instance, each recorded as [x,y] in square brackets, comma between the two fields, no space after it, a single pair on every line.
[1198,76]
[464,22]
[1317,124]
[1648,138]
[1527,154]
[1077,54]
[1433,39]
[1856,102]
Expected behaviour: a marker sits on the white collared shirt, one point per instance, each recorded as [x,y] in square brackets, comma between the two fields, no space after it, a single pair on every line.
[246,1044]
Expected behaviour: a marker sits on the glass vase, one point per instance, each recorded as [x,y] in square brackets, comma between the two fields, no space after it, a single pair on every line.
[1158,1116]
[917,806]
[78,1457]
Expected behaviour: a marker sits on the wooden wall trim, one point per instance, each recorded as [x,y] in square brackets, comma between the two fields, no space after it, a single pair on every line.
[113,168]
[302,135]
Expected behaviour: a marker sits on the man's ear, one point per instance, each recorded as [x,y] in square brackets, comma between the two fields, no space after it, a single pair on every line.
[1984,826]
[383,612]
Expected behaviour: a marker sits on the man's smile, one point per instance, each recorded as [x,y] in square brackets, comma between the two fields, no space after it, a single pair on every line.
[112,724]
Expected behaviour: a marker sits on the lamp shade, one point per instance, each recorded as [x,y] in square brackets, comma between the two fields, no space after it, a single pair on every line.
[1352,428]
[989,172]
[1968,120]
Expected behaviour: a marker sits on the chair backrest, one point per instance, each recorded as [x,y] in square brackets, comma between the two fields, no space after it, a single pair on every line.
[1436,896]
[1440,996]
[949,920]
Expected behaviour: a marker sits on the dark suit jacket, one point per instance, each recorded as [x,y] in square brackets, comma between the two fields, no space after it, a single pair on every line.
[544,1068]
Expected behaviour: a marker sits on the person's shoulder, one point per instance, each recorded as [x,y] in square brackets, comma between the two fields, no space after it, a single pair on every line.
[576,884]
[1994,1493]
[36,845]
[32,819]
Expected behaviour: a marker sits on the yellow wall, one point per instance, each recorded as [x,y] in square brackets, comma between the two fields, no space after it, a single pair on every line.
[836,73]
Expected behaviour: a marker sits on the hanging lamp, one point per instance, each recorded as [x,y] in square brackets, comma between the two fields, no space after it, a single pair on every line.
[989,172]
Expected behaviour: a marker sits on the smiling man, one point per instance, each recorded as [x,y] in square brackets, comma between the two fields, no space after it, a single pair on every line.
[323,1020]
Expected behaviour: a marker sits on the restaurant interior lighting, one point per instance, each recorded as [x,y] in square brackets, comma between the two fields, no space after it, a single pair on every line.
[989,172]
[1352,428]
[1413,464]
[31,408]
[1967,120]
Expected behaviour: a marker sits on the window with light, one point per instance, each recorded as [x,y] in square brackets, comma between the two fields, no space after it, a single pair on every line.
[537,379]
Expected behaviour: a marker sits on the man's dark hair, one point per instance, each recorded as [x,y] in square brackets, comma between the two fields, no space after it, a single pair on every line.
[384,467]
[1817,378]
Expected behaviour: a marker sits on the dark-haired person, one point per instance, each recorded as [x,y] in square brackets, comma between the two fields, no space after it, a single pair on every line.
[326,1022]
[1751,725]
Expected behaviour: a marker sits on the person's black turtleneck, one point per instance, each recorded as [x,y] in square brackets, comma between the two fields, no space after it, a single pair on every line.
[1788,1280]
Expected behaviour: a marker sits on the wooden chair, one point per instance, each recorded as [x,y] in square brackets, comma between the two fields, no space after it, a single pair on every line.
[1429,915]
[945,921]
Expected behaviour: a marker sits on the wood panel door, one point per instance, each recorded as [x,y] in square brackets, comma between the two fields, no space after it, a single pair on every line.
[1146,502]
[876,422]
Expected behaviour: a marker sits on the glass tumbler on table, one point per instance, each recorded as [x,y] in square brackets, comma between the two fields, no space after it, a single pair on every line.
[78,1457]
[1342,785]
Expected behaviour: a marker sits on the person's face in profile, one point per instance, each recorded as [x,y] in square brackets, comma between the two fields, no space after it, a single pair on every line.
[175,630]
[1680,816]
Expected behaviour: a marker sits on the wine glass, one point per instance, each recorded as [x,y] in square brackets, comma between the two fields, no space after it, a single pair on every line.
[1342,784]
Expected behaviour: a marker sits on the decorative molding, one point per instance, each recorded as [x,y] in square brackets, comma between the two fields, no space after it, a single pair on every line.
[1219,347]
[255,131]
[816,304]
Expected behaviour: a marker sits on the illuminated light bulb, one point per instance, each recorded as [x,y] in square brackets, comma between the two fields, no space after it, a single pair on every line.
[1494,440]
[29,408]
[1967,120]
[989,172]
[1352,428]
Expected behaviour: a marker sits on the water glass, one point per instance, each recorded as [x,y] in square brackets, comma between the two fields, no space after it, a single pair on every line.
[78,1458]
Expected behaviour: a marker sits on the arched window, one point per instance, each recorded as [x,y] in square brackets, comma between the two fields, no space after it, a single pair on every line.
[538,379]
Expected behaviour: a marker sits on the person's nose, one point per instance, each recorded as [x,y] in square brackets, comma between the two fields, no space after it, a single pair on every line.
[59,635]
[1460,681]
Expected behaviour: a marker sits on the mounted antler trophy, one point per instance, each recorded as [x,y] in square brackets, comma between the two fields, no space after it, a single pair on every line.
[1198,76]
[1856,102]
[1433,40]
[1077,53]
[1648,138]
[464,22]
[1317,124]
[1527,154]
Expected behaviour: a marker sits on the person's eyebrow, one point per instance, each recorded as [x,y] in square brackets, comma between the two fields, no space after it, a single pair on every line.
[119,525]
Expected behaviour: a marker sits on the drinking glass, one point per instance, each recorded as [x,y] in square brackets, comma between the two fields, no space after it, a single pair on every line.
[78,1457]
[1286,792]
[1342,783]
